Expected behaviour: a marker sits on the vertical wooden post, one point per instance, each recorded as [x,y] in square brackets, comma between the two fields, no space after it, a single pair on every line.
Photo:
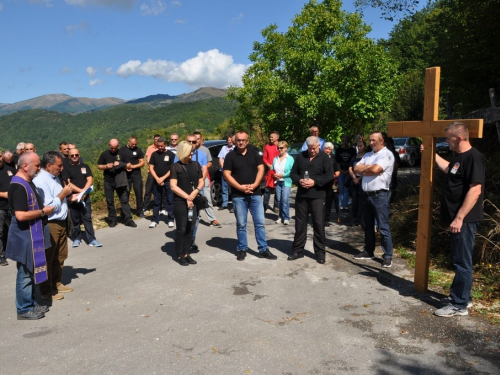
[424,229]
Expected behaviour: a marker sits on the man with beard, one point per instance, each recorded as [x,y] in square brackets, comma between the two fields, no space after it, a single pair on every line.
[115,179]
[134,158]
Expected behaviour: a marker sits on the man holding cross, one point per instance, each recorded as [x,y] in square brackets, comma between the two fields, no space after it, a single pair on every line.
[462,210]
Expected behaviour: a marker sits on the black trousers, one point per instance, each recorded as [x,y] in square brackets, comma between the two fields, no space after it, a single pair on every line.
[122,192]
[183,227]
[4,229]
[135,181]
[82,214]
[302,208]
[331,197]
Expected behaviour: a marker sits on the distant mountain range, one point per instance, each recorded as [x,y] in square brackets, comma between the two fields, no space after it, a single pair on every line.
[69,104]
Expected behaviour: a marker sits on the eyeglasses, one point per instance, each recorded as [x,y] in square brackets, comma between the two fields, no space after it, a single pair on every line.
[242,140]
[174,139]
[193,142]
[74,155]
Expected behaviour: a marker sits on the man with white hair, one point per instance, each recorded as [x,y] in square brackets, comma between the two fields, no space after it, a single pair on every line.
[311,172]
[18,153]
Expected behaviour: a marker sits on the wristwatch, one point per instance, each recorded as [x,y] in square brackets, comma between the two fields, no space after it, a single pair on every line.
[43,213]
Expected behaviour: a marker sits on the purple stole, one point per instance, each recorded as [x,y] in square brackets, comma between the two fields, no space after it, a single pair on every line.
[36,230]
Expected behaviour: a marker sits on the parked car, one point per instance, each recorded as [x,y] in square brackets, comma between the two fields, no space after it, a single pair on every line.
[215,174]
[442,146]
[409,150]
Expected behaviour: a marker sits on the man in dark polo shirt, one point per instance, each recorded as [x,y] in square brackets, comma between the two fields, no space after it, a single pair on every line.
[6,174]
[115,179]
[79,176]
[159,167]
[134,158]
[311,172]
[243,170]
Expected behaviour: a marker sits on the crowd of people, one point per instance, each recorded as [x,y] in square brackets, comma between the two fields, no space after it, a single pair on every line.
[44,201]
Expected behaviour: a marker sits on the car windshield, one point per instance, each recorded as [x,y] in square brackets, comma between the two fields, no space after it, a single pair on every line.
[399,141]
[441,140]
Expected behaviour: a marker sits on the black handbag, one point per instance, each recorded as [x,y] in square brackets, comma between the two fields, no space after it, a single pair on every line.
[200,201]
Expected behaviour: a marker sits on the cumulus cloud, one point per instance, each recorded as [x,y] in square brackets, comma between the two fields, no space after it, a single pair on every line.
[211,68]
[91,71]
[95,82]
[65,70]
[120,4]
[108,71]
[237,19]
[154,8]
[73,29]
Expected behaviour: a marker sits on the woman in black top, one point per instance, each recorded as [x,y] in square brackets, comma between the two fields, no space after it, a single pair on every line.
[356,190]
[186,181]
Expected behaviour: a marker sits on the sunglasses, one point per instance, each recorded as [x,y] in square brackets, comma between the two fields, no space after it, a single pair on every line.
[74,155]
[193,142]
[174,139]
[242,140]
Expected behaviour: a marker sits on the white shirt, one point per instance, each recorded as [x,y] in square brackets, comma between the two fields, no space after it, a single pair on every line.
[382,181]
[279,166]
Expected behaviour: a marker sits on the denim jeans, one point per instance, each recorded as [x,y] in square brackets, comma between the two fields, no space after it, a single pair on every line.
[344,192]
[25,289]
[283,197]
[225,191]
[158,192]
[242,205]
[462,247]
[376,207]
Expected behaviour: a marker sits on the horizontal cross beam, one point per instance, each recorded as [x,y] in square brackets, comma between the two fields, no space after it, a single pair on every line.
[433,129]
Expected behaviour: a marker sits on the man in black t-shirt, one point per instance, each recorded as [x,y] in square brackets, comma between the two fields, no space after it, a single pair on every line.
[159,167]
[244,170]
[79,176]
[115,179]
[134,158]
[462,210]
[6,174]
[8,159]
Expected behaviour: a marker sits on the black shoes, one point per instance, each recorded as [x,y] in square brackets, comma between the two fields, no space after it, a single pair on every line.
[191,260]
[41,308]
[30,315]
[364,255]
[241,255]
[295,256]
[194,247]
[3,262]
[387,262]
[321,259]
[267,254]
[183,261]
[222,208]
[112,223]
[130,223]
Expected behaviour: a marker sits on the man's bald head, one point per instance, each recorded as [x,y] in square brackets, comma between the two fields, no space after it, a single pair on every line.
[113,145]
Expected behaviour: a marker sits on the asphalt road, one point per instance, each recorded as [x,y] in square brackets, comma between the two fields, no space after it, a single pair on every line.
[134,310]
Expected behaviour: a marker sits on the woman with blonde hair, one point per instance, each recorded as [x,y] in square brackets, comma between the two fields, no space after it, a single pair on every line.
[282,166]
[186,181]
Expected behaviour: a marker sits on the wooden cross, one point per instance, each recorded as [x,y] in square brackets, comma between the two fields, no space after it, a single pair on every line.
[429,129]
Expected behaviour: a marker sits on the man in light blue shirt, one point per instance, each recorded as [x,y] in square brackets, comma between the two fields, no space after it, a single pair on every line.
[54,194]
[314,131]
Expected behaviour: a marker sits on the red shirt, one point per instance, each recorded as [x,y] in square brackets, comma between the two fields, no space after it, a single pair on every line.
[270,152]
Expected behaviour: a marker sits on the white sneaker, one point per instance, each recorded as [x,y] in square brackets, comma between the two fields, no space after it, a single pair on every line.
[153,224]
[170,224]
[163,212]
[278,221]
[286,222]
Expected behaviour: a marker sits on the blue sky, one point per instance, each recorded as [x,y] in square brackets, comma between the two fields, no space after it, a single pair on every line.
[134,48]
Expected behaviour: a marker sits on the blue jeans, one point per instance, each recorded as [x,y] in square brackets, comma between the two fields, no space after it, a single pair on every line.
[282,193]
[344,192]
[242,205]
[462,247]
[376,207]
[158,192]
[225,191]
[25,289]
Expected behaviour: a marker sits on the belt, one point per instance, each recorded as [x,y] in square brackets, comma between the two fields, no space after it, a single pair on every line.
[376,192]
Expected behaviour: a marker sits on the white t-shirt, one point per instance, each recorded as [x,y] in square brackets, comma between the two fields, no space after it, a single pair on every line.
[382,181]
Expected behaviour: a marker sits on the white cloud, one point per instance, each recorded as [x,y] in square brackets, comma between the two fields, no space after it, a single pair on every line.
[108,71]
[91,71]
[72,29]
[120,4]
[65,70]
[95,82]
[175,3]
[154,8]
[237,19]
[211,68]
[1,7]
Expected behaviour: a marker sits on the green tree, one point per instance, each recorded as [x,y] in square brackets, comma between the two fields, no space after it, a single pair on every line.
[324,71]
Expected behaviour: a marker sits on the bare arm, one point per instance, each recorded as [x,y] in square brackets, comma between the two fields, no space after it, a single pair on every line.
[35,214]
[470,200]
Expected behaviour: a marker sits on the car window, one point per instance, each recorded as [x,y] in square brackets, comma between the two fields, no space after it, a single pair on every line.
[399,141]
[214,151]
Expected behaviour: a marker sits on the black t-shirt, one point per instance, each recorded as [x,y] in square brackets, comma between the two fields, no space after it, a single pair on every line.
[77,174]
[18,201]
[12,164]
[464,169]
[184,180]
[6,174]
[108,157]
[344,156]
[133,157]
[162,162]
[335,167]
[243,168]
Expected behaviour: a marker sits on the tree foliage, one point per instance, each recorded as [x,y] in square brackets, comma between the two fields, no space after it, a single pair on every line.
[323,71]
[391,9]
